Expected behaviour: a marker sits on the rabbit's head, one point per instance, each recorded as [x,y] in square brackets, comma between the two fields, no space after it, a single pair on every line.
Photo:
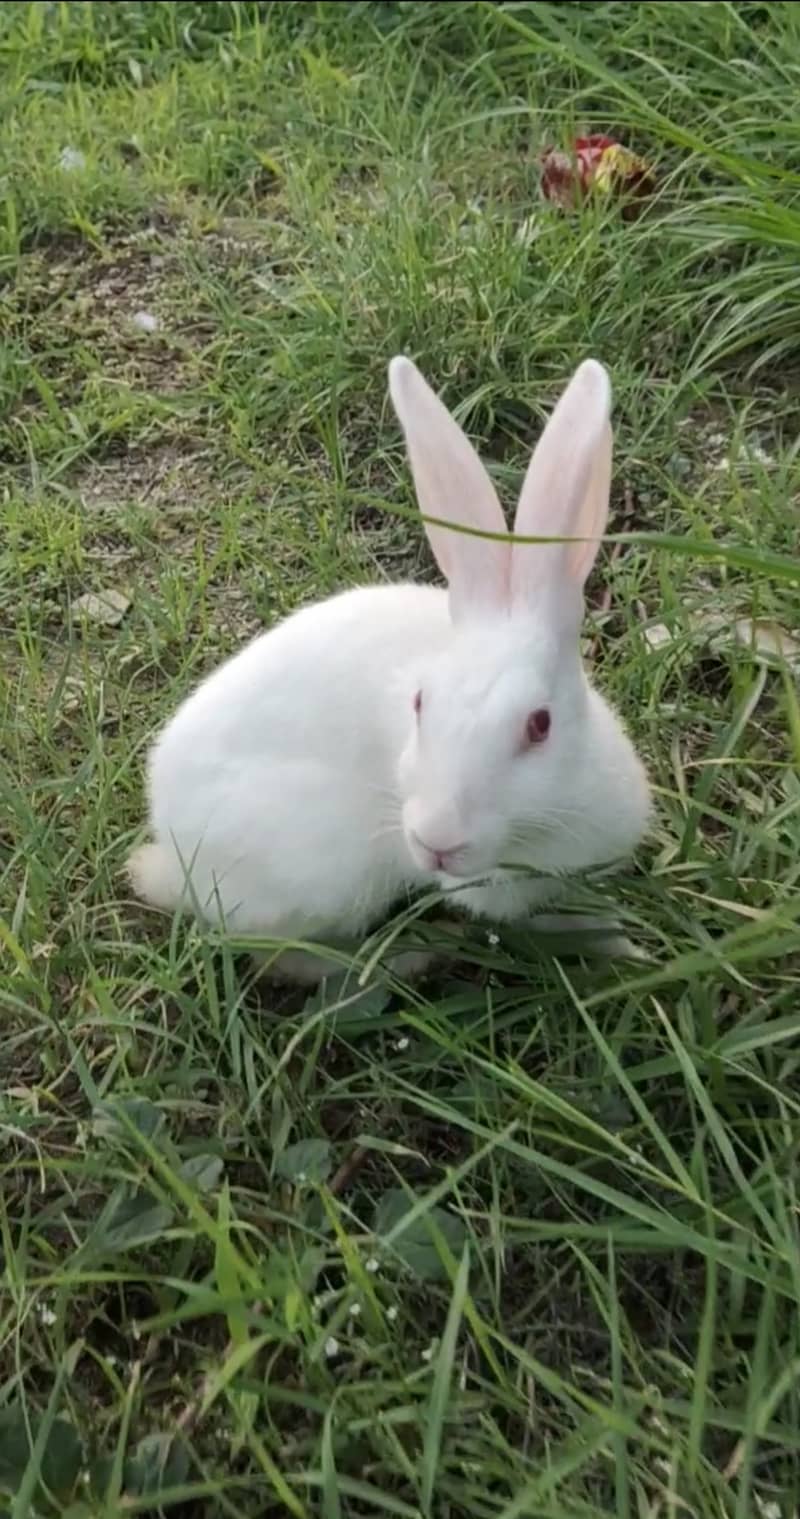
[508,745]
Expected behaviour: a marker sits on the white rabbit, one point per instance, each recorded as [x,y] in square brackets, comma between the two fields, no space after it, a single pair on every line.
[396,738]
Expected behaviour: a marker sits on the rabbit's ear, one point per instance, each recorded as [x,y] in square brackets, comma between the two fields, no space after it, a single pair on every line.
[565,495]
[453,486]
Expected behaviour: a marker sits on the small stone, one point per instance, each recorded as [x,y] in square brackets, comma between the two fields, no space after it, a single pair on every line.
[106,607]
[758,454]
[657,635]
[71,159]
[146,321]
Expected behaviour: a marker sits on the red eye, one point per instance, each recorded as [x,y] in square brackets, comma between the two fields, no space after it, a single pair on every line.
[418,703]
[538,726]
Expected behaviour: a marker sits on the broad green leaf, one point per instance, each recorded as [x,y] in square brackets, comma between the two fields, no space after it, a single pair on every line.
[159,1461]
[129,1219]
[309,1265]
[349,1006]
[309,1160]
[202,1171]
[15,1447]
[416,1244]
[61,1459]
[114,1120]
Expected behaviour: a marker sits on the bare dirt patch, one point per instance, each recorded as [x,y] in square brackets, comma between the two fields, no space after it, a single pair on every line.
[130,314]
[171,477]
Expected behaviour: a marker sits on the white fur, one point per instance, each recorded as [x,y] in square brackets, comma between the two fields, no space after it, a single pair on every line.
[293,793]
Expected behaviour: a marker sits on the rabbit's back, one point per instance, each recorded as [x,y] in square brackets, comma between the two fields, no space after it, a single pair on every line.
[271,787]
[315,684]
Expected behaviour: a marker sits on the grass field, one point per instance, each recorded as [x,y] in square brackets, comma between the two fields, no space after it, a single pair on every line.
[522,1242]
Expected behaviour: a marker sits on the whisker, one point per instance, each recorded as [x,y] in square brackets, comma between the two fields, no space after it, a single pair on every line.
[560,821]
[385,832]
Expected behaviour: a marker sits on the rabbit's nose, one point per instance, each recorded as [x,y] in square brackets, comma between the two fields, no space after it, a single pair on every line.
[442,859]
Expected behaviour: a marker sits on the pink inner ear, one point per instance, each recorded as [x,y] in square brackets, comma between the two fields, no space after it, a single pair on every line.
[565,494]
[453,488]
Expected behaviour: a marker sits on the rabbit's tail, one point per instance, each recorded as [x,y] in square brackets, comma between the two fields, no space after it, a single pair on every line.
[156,876]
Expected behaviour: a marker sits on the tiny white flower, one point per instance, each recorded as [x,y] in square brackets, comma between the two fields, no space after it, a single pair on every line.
[354,1310]
[145,321]
[429,1353]
[47,1315]
[71,159]
[318,1302]
[331,1347]
[493,939]
[391,1313]
[401,1043]
[301,1176]
[372,1265]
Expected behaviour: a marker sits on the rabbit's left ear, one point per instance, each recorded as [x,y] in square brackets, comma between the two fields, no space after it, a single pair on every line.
[452,485]
[565,495]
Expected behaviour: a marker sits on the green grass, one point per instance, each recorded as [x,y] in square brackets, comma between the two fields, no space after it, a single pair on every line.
[545,1209]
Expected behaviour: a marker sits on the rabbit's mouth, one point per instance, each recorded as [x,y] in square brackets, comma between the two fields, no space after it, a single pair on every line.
[442,860]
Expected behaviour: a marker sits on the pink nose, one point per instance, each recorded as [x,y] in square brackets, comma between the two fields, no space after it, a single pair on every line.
[440,857]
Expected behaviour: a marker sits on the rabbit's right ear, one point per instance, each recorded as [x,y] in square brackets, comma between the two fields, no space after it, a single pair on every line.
[565,496]
[453,486]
